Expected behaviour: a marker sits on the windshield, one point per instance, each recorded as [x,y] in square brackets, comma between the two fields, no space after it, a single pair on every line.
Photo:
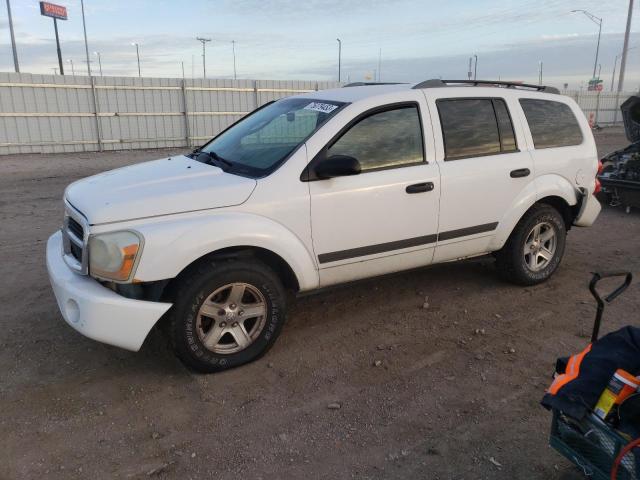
[259,143]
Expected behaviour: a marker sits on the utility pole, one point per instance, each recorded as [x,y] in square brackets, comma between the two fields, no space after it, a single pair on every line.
[613,75]
[475,68]
[597,21]
[233,46]
[99,61]
[135,44]
[615,64]
[469,72]
[86,44]
[625,48]
[73,72]
[13,39]
[339,56]
[204,41]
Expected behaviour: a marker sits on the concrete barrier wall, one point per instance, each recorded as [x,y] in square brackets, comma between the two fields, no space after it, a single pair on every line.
[54,113]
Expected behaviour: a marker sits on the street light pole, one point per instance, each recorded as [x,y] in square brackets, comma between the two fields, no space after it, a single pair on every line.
[339,56]
[135,44]
[204,41]
[475,68]
[540,72]
[86,44]
[597,21]
[99,61]
[13,39]
[625,48]
[73,72]
[233,46]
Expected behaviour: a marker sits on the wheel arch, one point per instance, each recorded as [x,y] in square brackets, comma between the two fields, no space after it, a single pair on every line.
[553,190]
[172,248]
[244,252]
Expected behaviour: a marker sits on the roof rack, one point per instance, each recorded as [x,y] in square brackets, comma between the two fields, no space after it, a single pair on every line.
[365,84]
[436,82]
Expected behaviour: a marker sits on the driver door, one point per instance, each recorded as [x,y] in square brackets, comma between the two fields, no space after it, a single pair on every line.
[385,218]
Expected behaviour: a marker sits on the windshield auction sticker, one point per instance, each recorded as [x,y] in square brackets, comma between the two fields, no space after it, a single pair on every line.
[321,107]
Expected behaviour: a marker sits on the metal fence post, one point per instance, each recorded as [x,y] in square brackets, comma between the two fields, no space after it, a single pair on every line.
[255,94]
[615,108]
[187,127]
[96,112]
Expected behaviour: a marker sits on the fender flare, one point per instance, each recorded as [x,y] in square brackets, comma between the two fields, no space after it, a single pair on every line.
[172,246]
[550,185]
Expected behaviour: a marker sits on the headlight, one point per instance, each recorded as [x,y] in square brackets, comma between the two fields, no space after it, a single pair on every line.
[112,256]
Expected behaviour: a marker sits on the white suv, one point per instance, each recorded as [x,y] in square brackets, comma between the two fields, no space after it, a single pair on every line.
[315,190]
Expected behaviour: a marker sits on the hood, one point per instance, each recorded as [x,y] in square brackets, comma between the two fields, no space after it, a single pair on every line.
[161,187]
[631,116]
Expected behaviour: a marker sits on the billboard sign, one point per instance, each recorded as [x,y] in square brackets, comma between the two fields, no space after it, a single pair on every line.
[595,85]
[52,10]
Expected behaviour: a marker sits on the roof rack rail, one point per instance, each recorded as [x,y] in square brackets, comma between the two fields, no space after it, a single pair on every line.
[435,83]
[366,84]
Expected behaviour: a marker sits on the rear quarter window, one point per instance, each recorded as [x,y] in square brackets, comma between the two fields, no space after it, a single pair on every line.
[552,124]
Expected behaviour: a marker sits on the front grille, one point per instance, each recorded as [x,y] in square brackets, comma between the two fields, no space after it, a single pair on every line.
[73,242]
[75,228]
[76,251]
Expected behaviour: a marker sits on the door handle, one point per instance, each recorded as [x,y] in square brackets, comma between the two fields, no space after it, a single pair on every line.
[519,173]
[420,187]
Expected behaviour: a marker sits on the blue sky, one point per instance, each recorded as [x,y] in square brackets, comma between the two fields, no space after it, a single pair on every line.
[297,39]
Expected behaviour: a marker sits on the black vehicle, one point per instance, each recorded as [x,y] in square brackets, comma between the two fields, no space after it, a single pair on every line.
[620,172]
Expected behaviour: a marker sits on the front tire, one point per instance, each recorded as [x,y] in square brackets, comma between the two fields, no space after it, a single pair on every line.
[227,313]
[535,248]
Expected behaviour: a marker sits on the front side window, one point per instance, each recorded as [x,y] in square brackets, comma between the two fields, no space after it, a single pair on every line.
[473,127]
[552,124]
[384,139]
[256,145]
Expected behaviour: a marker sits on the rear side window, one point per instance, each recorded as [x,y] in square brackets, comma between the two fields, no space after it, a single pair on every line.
[385,139]
[473,127]
[552,124]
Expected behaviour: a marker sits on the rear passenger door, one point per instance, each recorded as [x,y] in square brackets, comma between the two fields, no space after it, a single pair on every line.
[483,171]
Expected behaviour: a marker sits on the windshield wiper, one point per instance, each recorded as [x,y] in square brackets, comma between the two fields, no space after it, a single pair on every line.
[219,159]
[214,159]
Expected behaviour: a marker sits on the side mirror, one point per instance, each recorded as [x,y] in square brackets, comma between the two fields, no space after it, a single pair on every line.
[337,166]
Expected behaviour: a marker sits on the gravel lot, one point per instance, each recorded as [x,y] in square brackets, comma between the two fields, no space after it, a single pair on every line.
[449,391]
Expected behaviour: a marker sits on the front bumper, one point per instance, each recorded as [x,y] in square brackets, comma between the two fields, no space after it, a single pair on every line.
[94,310]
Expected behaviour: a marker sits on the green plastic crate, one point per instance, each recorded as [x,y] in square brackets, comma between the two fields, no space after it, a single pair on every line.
[592,446]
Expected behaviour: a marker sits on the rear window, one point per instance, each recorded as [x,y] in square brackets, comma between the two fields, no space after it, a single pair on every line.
[552,124]
[473,127]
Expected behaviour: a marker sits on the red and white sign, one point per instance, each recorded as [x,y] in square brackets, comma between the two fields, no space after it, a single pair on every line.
[52,10]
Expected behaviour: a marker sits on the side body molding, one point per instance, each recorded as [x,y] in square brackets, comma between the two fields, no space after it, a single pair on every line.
[171,246]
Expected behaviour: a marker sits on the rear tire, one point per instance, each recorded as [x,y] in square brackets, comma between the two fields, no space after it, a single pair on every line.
[535,248]
[226,313]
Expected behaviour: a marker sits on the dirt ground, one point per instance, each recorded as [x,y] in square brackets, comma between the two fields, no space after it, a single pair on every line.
[456,395]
